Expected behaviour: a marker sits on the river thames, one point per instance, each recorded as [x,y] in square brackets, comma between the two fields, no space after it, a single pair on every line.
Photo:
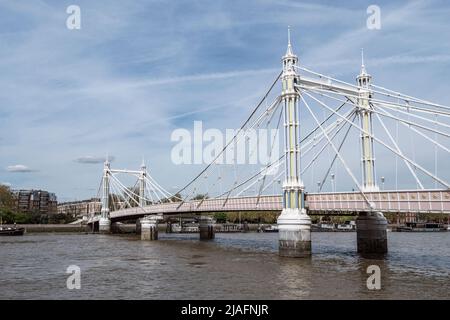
[233,266]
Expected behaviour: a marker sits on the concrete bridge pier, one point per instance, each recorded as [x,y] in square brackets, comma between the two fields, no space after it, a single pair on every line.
[138,226]
[149,228]
[115,227]
[104,225]
[207,228]
[294,233]
[371,233]
[93,227]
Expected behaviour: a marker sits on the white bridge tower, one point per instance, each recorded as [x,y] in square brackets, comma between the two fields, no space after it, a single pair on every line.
[371,226]
[365,116]
[105,221]
[294,224]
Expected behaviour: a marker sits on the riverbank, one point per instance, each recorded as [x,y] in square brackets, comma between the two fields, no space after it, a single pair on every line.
[77,228]
[36,228]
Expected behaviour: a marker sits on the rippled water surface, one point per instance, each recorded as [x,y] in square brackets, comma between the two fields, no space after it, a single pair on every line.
[233,266]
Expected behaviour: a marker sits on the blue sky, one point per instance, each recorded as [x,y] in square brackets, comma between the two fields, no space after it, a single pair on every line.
[137,70]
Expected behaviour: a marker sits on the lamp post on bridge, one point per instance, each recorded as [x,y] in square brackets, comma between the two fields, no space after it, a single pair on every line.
[274,186]
[333,183]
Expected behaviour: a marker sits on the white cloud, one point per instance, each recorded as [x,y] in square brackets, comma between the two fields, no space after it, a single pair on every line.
[407,59]
[124,84]
[19,168]
[92,159]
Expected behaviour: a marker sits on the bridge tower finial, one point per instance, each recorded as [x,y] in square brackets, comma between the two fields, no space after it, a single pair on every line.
[289,35]
[289,51]
[363,66]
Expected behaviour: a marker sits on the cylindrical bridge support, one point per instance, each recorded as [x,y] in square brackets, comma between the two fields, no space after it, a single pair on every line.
[294,228]
[371,233]
[138,226]
[206,228]
[149,228]
[104,225]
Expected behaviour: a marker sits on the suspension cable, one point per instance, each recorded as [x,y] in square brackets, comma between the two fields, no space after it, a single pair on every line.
[444,183]
[371,205]
[325,146]
[240,129]
[399,151]
[384,114]
[322,183]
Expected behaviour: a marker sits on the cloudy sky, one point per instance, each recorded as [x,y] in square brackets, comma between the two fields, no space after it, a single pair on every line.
[138,70]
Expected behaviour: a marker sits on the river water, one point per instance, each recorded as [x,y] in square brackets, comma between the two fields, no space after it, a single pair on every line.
[233,266]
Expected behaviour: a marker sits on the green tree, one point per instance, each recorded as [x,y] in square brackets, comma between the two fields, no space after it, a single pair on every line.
[200,197]
[176,197]
[7,216]
[253,216]
[221,217]
[10,217]
[6,198]
[7,213]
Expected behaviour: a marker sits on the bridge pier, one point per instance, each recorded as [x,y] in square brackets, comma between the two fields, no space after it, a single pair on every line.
[115,227]
[371,233]
[207,228]
[294,233]
[104,225]
[138,226]
[93,227]
[149,228]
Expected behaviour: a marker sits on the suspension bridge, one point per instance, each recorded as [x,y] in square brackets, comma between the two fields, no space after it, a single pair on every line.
[376,116]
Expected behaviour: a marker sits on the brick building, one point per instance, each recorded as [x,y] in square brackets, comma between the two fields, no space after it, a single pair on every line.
[35,201]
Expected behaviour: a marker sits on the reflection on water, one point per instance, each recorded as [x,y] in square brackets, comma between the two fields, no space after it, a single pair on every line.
[233,266]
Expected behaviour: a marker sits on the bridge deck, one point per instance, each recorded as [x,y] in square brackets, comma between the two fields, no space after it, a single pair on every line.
[416,201]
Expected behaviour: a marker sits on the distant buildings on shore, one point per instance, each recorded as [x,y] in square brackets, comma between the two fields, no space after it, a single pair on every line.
[408,217]
[35,201]
[41,202]
[46,203]
[80,208]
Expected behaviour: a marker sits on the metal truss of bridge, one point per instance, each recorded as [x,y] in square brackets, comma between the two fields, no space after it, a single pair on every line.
[316,114]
